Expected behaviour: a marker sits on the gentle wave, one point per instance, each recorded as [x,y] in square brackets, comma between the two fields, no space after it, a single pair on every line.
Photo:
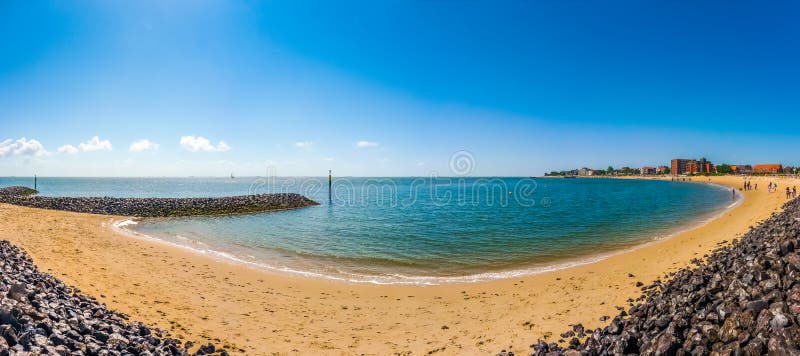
[400,279]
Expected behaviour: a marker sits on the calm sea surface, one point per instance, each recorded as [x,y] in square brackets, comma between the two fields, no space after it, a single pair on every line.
[418,230]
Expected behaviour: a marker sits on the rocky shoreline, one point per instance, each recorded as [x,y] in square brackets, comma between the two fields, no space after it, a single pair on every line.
[41,315]
[17,191]
[744,299]
[157,207]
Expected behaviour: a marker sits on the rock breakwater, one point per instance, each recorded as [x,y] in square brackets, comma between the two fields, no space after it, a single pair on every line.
[157,207]
[41,315]
[744,299]
[17,192]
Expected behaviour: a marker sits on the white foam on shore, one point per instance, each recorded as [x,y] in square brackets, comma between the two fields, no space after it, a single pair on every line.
[398,279]
[125,223]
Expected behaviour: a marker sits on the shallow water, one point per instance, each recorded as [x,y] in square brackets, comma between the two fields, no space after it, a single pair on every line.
[418,230]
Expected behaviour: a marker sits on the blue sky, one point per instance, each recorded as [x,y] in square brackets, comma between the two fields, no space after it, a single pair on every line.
[525,86]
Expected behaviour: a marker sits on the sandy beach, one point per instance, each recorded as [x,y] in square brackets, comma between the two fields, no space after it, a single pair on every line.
[256,312]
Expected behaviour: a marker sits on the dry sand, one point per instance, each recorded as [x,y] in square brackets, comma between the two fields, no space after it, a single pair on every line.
[252,311]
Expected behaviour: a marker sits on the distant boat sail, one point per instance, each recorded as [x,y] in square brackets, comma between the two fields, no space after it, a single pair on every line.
[232,177]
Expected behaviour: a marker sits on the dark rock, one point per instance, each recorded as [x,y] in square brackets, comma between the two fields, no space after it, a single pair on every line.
[615,327]
[41,315]
[779,321]
[666,344]
[206,349]
[18,292]
[757,306]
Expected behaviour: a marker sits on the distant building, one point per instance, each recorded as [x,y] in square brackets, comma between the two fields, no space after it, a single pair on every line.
[704,166]
[678,166]
[741,169]
[691,166]
[648,170]
[768,168]
[587,172]
[662,170]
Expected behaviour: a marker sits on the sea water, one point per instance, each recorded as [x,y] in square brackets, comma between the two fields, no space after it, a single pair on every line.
[420,230]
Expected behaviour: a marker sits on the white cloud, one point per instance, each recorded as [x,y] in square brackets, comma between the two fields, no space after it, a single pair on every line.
[202,144]
[329,159]
[143,145]
[22,147]
[420,164]
[68,149]
[95,144]
[304,144]
[222,146]
[366,144]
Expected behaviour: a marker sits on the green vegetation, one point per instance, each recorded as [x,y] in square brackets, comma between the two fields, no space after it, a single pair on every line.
[724,168]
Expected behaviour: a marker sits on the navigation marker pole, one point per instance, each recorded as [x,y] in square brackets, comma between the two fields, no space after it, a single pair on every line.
[330,182]
[34,182]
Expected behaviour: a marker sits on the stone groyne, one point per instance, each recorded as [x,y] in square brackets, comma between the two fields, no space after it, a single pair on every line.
[157,207]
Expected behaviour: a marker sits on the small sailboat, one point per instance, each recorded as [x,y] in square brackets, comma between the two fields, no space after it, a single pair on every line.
[232,177]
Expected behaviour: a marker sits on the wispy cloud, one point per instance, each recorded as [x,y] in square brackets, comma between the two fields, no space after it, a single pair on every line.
[95,144]
[68,149]
[328,159]
[366,144]
[22,147]
[143,145]
[306,145]
[202,144]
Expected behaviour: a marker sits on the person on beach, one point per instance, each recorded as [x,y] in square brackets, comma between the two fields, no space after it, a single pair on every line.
[788,193]
[794,192]
[733,194]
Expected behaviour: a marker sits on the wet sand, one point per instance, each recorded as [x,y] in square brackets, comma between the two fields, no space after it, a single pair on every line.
[253,311]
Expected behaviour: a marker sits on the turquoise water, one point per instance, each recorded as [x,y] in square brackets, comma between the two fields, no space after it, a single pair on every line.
[419,230]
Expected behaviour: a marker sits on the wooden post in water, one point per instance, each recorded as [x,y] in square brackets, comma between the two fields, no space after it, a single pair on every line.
[330,183]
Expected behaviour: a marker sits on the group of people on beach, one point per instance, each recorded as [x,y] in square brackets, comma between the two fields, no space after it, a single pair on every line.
[772,187]
[791,193]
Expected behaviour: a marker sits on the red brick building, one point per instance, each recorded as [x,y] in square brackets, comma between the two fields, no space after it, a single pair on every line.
[691,166]
[768,168]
